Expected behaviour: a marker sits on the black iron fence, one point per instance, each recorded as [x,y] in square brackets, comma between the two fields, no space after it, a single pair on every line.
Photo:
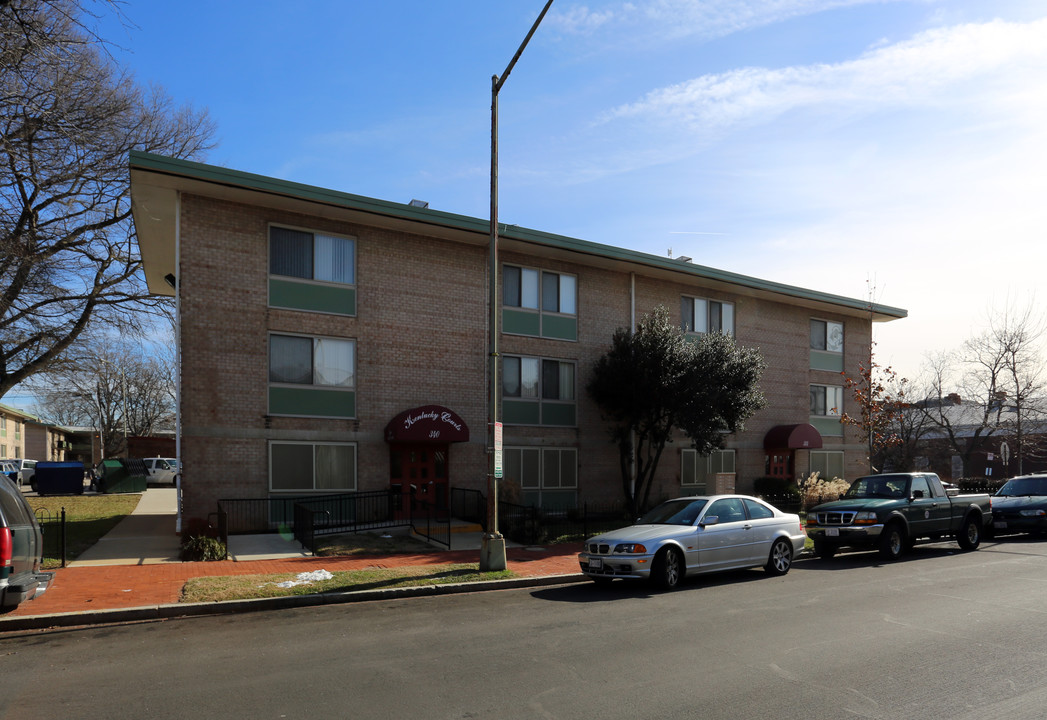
[53,527]
[310,517]
[469,505]
[531,525]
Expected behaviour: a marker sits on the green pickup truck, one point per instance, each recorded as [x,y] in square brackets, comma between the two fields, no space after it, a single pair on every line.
[890,512]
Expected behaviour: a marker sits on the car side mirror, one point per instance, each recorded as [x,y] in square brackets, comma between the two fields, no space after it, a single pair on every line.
[917,494]
[709,520]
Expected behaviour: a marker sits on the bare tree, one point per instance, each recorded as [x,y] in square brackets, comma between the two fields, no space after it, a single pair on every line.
[68,119]
[115,386]
[990,389]
[1015,336]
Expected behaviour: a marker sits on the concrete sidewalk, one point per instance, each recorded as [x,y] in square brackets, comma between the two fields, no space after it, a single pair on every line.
[133,573]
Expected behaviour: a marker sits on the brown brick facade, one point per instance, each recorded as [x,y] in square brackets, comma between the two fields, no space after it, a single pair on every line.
[420,329]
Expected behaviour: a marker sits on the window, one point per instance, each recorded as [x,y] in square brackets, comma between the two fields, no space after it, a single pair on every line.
[827,463]
[698,315]
[312,256]
[311,361]
[520,288]
[698,469]
[827,336]
[826,400]
[727,510]
[539,303]
[305,467]
[542,468]
[520,379]
[3,426]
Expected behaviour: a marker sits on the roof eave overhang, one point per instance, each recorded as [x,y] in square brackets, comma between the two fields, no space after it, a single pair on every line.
[157,182]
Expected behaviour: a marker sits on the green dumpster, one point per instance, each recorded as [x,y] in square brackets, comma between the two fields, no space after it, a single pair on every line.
[123,476]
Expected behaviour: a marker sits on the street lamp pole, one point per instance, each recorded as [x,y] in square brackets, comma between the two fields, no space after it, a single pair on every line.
[492,548]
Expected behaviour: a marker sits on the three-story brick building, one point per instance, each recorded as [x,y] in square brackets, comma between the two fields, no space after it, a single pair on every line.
[332,342]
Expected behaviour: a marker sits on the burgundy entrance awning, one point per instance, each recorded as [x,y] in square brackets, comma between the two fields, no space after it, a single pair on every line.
[792,437]
[427,424]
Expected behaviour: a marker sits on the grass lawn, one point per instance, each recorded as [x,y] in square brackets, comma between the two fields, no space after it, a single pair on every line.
[87,518]
[245,587]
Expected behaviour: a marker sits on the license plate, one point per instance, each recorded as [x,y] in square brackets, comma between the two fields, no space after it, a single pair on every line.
[832,532]
[1000,525]
[595,563]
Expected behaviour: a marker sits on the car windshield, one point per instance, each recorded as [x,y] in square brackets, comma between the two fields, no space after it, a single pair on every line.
[674,512]
[1025,486]
[885,486]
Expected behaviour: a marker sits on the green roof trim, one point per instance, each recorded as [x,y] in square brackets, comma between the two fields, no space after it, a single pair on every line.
[250,181]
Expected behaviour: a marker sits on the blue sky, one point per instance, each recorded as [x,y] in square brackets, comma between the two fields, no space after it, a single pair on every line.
[885,148]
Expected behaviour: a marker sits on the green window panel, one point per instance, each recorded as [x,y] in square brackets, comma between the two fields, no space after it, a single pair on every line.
[339,300]
[314,402]
[520,322]
[559,328]
[827,426]
[558,414]
[822,360]
[518,412]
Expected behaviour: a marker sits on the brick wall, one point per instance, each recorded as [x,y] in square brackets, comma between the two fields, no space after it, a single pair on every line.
[420,329]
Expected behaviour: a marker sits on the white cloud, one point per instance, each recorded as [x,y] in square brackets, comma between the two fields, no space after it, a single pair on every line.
[996,59]
[660,20]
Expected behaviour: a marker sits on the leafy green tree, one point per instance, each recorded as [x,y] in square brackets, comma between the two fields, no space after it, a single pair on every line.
[68,119]
[655,380]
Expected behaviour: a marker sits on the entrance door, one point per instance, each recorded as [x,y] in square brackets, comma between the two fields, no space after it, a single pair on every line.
[419,469]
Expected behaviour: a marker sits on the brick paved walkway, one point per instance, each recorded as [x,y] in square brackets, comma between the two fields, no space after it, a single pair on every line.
[110,587]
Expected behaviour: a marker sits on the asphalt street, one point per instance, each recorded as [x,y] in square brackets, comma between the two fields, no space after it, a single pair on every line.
[942,634]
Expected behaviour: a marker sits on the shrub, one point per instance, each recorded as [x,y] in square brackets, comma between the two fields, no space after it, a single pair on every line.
[816,491]
[775,486]
[201,547]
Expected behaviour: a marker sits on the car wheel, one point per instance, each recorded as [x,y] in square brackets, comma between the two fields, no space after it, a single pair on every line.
[668,569]
[970,536]
[893,541]
[781,558]
[824,550]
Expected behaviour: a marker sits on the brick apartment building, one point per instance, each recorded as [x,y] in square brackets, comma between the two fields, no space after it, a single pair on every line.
[331,342]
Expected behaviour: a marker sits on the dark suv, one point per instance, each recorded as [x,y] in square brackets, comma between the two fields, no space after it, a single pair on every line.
[21,549]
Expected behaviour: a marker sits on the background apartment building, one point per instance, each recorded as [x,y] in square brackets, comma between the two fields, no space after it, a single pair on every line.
[331,342]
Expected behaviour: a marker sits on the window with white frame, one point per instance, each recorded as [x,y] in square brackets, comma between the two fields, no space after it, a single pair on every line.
[698,315]
[530,378]
[541,468]
[699,470]
[302,360]
[826,400]
[312,467]
[827,463]
[827,336]
[530,288]
[312,256]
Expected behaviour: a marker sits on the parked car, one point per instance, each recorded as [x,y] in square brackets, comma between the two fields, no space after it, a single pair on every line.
[890,512]
[1021,505]
[695,535]
[25,470]
[161,470]
[9,469]
[21,550]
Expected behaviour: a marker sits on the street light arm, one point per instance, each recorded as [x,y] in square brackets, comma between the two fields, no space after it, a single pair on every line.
[499,81]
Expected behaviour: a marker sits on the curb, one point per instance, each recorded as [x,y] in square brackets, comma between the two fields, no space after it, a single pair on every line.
[179,610]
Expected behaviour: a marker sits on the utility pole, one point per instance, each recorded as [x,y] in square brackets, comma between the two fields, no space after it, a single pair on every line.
[492,546]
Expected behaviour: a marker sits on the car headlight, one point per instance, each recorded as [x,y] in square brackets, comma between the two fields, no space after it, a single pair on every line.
[630,548]
[865,517]
[1033,513]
